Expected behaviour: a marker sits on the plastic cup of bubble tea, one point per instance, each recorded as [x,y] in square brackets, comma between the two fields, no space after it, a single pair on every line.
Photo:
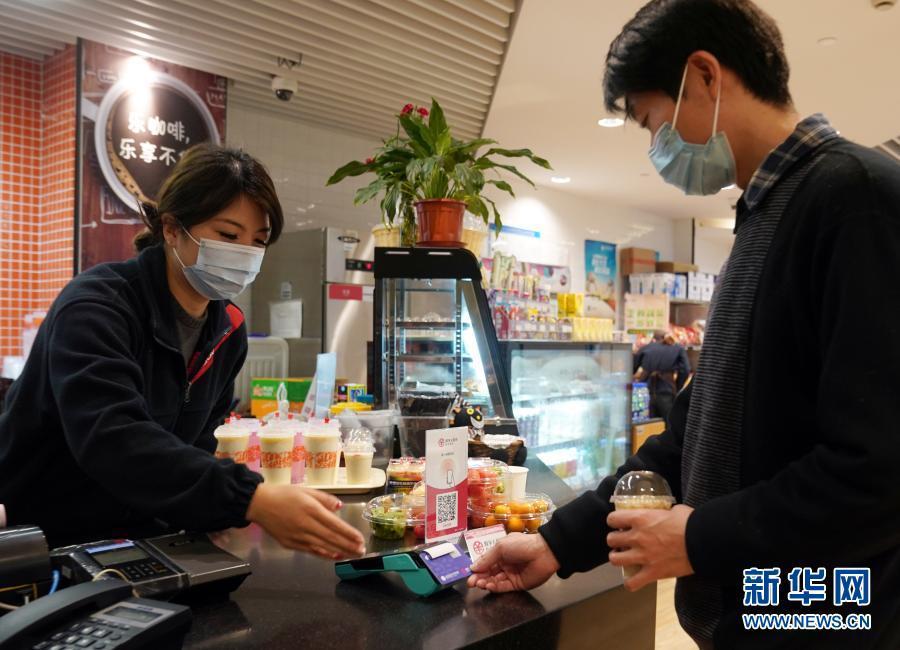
[276,455]
[323,451]
[358,454]
[641,491]
[514,480]
[232,441]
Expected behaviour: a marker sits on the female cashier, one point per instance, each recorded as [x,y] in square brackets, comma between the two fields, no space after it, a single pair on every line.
[108,432]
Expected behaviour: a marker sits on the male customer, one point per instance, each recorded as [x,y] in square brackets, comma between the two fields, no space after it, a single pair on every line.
[664,366]
[772,472]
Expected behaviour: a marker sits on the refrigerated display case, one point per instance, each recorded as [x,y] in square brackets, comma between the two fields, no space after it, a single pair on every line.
[434,339]
[572,404]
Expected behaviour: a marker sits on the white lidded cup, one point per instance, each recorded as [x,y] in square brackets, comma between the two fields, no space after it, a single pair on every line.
[232,441]
[358,453]
[322,440]
[514,480]
[276,451]
[641,490]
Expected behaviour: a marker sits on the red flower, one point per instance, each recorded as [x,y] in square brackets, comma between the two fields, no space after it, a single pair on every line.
[407,109]
[369,161]
[423,112]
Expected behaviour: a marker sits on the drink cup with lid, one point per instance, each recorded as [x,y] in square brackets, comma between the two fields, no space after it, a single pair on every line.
[641,490]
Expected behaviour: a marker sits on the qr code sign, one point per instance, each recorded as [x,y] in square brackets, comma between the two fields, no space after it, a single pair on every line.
[447,511]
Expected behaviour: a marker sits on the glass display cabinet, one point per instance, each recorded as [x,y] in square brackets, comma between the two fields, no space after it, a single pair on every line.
[572,403]
[434,339]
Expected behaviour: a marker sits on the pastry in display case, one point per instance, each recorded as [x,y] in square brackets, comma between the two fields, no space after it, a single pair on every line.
[435,343]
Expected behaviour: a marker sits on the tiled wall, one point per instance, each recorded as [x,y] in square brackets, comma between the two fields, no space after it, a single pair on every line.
[57,224]
[37,181]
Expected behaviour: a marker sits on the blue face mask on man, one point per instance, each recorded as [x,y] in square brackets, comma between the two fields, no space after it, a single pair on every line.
[222,270]
[696,169]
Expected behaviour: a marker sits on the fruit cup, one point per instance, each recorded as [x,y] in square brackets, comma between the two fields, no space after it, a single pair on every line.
[522,516]
[486,485]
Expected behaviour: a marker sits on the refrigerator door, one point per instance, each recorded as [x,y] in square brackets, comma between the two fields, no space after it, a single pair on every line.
[293,269]
[348,256]
[348,328]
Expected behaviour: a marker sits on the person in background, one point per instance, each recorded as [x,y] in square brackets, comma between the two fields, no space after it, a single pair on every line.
[664,366]
[108,432]
[787,490]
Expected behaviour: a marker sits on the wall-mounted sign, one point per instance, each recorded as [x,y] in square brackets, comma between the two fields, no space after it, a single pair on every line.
[138,117]
[600,270]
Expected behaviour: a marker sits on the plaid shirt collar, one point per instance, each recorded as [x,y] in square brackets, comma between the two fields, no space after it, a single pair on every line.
[809,135]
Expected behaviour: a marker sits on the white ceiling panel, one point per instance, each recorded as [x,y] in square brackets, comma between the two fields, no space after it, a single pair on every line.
[362,60]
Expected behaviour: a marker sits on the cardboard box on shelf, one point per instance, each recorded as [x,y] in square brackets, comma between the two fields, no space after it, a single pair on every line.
[676,267]
[350,392]
[637,260]
[681,284]
[264,393]
[700,286]
[636,283]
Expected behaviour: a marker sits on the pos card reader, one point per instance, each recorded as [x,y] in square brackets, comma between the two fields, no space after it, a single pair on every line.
[159,567]
[424,570]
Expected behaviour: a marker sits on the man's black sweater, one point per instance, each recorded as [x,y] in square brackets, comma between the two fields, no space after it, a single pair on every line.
[820,443]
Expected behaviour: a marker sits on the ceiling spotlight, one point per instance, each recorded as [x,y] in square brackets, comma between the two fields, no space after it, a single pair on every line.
[561,180]
[827,41]
[611,122]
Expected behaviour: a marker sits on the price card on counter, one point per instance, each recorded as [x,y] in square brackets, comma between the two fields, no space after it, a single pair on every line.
[446,483]
[480,540]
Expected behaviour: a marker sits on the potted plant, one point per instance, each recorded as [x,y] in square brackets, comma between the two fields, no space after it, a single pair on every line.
[424,170]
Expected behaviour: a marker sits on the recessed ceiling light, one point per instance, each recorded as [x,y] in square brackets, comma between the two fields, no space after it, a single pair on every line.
[611,122]
[827,41]
[561,180]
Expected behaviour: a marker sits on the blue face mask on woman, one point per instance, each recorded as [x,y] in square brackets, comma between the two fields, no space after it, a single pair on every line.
[696,169]
[222,270]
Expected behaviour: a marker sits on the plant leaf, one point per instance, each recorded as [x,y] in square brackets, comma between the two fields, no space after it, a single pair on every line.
[437,126]
[367,193]
[352,168]
[503,185]
[471,179]
[519,153]
[485,163]
[498,223]
[463,150]
[476,206]
[418,134]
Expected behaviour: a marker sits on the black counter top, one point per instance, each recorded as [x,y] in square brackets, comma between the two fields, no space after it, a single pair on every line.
[294,600]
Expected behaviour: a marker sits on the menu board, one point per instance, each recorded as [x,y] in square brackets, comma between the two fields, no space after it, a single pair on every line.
[139,115]
[646,312]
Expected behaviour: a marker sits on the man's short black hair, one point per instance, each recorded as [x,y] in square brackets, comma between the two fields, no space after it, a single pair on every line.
[652,49]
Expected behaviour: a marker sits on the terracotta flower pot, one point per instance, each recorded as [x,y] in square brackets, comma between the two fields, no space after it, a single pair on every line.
[440,222]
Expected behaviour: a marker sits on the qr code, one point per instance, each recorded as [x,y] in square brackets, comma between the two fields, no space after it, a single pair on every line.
[447,511]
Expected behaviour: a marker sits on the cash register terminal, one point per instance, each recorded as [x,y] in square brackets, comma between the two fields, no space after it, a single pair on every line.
[158,567]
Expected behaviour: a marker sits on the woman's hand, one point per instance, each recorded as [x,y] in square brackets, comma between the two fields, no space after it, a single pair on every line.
[304,520]
[515,563]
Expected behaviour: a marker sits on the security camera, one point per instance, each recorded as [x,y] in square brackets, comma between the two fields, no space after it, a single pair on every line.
[284,88]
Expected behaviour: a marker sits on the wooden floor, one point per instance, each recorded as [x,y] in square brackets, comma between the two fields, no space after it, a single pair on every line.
[669,635]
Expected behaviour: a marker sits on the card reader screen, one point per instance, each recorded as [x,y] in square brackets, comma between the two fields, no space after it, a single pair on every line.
[132,614]
[112,558]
